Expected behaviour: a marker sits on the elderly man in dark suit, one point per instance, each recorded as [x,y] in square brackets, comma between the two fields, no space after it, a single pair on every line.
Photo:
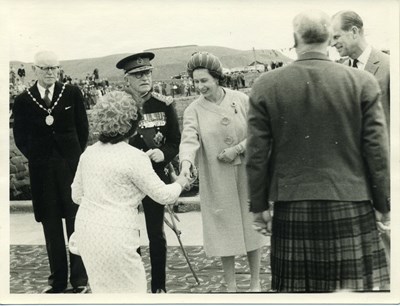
[349,40]
[317,147]
[51,130]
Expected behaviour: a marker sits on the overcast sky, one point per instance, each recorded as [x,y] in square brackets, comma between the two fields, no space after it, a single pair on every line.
[77,29]
[84,29]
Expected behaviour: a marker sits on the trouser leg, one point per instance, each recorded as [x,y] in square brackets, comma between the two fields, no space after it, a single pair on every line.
[154,215]
[78,276]
[51,219]
[57,204]
[56,252]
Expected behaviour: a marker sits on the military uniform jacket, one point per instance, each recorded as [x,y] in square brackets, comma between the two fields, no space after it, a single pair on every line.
[158,129]
[67,136]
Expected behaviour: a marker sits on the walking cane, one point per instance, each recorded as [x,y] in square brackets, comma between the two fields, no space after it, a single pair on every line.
[174,228]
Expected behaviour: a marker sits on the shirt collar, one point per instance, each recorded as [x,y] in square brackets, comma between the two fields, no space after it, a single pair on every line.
[363,58]
[312,55]
[42,90]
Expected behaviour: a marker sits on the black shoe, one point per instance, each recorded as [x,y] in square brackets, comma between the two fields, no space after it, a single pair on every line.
[80,289]
[50,289]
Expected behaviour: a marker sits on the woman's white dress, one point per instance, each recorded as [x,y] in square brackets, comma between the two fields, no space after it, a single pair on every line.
[110,182]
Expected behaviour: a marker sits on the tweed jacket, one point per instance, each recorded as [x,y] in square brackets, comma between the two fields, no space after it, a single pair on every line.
[37,141]
[317,131]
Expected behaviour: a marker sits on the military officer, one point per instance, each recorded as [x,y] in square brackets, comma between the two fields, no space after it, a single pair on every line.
[159,136]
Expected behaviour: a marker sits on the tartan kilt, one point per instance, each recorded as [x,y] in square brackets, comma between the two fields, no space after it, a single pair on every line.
[324,246]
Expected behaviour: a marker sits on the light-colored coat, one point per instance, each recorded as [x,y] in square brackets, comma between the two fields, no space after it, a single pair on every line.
[207,130]
[379,65]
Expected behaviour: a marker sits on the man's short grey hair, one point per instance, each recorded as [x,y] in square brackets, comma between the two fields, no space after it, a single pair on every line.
[39,56]
[349,19]
[313,27]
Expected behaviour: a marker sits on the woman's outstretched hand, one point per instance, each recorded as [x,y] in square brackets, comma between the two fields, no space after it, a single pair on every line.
[183,181]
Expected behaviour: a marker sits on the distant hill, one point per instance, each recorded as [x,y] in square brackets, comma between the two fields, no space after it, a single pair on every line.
[168,62]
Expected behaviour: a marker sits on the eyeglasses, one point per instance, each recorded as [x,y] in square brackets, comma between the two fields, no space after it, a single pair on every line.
[140,74]
[48,68]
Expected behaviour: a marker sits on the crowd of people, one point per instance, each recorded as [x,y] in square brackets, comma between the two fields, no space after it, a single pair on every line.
[93,87]
[182,88]
[304,159]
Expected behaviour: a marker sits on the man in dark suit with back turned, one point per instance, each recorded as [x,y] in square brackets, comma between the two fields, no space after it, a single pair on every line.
[51,130]
[318,148]
[349,40]
[159,136]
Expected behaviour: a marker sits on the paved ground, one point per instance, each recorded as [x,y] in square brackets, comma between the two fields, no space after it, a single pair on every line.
[29,266]
[29,270]
[24,230]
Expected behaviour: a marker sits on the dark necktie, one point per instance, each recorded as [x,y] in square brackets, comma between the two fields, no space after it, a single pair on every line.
[47,98]
[355,61]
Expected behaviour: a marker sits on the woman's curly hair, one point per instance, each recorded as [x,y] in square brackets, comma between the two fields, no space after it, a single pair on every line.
[115,116]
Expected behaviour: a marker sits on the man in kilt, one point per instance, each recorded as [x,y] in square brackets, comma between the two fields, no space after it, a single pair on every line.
[318,148]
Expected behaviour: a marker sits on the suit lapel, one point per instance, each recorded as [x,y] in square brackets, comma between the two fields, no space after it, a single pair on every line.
[372,64]
[36,94]
[57,91]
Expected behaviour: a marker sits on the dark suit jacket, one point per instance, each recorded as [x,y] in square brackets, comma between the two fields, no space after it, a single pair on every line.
[317,132]
[37,141]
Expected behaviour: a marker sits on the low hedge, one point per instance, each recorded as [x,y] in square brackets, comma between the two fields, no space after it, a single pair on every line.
[20,188]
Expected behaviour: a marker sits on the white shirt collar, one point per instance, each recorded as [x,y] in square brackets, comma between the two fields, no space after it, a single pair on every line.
[42,90]
[363,58]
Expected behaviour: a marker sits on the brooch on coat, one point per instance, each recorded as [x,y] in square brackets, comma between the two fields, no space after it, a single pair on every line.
[233,105]
[158,138]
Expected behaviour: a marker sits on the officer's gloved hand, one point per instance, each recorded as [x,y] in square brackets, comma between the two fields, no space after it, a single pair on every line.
[155,155]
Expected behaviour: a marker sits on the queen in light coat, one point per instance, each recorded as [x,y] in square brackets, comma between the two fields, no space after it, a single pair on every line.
[214,138]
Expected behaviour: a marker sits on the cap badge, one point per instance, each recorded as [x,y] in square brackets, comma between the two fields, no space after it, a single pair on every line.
[139,60]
